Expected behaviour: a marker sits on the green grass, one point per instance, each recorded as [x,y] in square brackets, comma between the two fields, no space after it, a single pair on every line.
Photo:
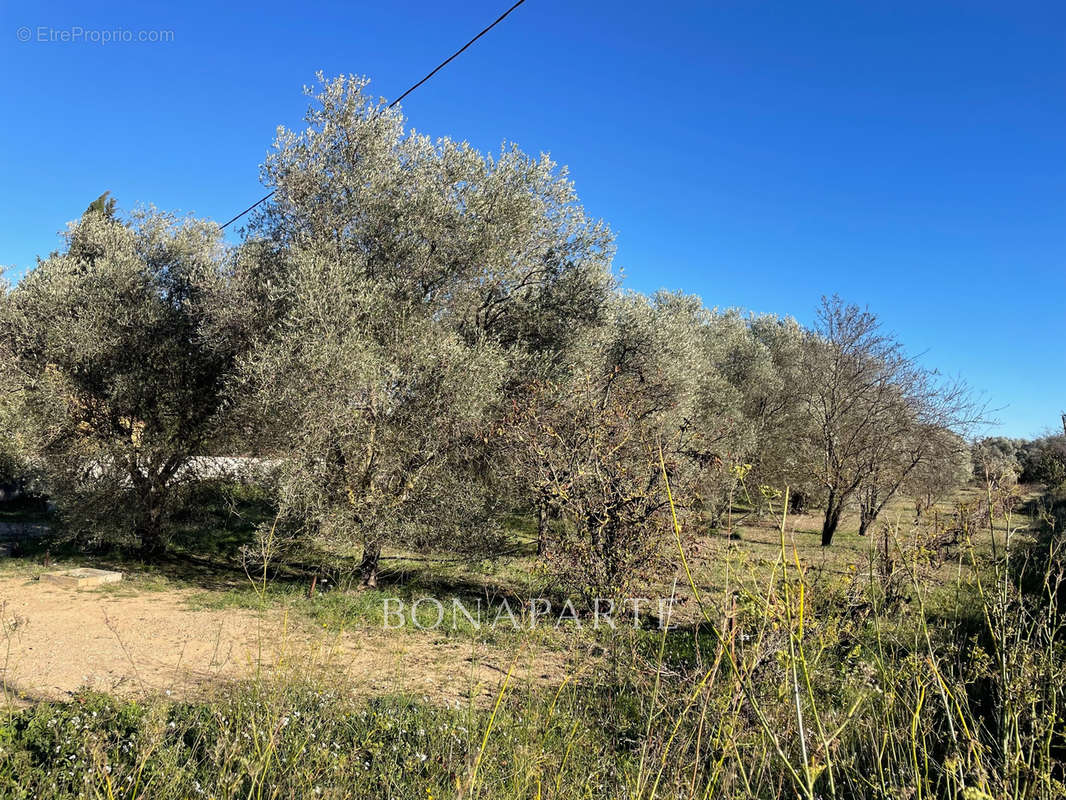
[800,695]
[299,741]
[882,668]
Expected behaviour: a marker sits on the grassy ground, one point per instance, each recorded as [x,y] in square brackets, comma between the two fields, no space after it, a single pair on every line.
[887,666]
[206,575]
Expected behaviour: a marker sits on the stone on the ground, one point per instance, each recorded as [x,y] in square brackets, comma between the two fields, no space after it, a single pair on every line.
[82,577]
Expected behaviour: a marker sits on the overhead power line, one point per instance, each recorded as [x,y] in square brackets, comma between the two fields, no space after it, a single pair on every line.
[433,72]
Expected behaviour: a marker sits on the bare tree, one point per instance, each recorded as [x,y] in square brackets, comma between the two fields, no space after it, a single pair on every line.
[875,412]
[934,479]
[925,457]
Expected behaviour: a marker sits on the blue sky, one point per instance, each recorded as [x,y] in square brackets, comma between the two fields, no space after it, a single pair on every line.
[906,155]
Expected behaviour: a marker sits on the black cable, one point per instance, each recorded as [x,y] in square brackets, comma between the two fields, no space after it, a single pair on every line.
[253,205]
[450,58]
[436,69]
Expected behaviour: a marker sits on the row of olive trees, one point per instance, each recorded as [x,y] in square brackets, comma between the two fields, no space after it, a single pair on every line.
[423,338]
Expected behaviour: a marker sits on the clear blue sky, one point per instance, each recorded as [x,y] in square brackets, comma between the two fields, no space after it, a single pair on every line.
[906,155]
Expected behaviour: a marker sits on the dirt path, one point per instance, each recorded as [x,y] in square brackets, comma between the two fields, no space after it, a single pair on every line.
[56,640]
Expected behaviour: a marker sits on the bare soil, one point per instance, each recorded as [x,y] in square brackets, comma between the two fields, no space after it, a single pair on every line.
[56,641]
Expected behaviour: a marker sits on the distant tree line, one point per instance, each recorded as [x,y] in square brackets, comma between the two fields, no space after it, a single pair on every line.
[1035,461]
[423,338]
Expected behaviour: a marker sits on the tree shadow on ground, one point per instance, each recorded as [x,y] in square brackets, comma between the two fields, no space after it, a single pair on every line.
[409,581]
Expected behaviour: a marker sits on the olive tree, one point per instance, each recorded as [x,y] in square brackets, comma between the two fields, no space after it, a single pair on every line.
[13,467]
[413,284]
[996,460]
[378,412]
[1044,461]
[777,405]
[640,396]
[761,358]
[115,388]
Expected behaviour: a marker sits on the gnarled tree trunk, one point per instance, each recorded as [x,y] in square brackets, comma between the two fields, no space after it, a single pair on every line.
[542,526]
[148,524]
[833,509]
[368,567]
[868,510]
[150,535]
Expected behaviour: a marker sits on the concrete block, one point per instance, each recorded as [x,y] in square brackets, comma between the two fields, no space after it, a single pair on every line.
[82,578]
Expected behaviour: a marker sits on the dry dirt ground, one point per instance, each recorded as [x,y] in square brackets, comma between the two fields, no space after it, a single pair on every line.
[57,640]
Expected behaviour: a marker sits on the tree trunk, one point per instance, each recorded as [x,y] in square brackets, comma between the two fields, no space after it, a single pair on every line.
[149,526]
[368,567]
[149,533]
[868,510]
[866,519]
[542,527]
[833,510]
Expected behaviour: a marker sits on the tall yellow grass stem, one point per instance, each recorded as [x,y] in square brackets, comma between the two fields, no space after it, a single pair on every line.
[488,729]
[741,678]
